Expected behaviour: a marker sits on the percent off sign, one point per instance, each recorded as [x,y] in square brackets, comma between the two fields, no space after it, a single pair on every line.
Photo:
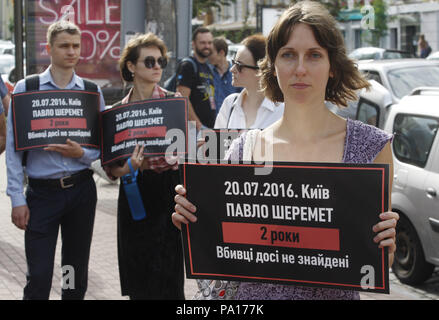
[103,37]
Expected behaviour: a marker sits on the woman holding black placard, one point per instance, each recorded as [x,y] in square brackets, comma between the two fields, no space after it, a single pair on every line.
[305,65]
[248,109]
[149,248]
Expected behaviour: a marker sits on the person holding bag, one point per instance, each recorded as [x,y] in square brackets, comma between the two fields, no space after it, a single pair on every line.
[149,247]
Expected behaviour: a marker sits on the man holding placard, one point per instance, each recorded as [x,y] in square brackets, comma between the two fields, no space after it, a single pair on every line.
[61,190]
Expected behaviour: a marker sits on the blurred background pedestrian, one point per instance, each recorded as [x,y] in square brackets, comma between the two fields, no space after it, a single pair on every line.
[423,47]
[222,75]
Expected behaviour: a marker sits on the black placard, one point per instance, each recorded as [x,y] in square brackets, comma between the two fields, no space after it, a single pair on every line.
[147,122]
[307,224]
[48,117]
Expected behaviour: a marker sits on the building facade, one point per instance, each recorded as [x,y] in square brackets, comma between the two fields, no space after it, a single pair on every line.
[407,20]
[412,18]
[241,13]
[6,18]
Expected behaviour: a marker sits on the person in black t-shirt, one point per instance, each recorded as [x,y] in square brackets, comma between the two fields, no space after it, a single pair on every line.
[198,85]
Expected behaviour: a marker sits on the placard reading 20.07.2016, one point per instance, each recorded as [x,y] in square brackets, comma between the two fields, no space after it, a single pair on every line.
[303,224]
[41,118]
[143,122]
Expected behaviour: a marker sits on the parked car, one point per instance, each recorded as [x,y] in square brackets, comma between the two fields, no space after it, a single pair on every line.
[374,53]
[11,79]
[233,49]
[370,107]
[7,47]
[433,56]
[7,63]
[374,105]
[414,121]
[390,81]
[401,76]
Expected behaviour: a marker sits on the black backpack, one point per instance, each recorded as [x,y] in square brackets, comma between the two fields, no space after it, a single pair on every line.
[171,83]
[33,84]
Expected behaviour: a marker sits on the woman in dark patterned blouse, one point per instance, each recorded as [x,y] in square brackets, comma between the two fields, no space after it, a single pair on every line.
[149,250]
[305,65]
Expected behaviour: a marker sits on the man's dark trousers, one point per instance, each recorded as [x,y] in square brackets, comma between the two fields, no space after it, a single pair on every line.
[51,207]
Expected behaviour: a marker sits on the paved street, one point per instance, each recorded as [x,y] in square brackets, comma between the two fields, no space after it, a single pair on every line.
[103,272]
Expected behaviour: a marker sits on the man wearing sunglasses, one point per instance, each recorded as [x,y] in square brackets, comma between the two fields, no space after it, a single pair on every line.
[198,85]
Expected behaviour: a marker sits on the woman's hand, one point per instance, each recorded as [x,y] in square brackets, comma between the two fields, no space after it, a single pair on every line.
[136,157]
[386,232]
[160,164]
[136,162]
[184,210]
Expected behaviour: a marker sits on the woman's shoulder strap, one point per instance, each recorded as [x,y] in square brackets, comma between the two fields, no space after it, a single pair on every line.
[169,94]
[119,103]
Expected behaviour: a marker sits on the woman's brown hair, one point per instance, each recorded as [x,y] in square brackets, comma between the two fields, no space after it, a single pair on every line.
[256,44]
[131,52]
[346,78]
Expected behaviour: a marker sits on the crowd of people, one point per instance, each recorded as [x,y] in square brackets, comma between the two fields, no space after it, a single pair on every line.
[275,86]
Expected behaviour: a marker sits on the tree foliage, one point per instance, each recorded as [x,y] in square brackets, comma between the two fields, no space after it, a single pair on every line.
[380,24]
[334,6]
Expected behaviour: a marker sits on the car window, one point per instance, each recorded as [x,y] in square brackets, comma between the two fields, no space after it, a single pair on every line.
[413,138]
[406,55]
[369,56]
[396,55]
[9,51]
[372,75]
[391,55]
[368,112]
[404,80]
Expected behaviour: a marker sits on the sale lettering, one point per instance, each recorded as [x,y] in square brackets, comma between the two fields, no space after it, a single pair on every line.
[84,13]
[99,21]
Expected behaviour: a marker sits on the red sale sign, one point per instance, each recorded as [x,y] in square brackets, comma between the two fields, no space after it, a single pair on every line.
[99,21]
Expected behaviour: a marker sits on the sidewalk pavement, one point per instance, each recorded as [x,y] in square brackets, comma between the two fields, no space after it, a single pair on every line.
[103,269]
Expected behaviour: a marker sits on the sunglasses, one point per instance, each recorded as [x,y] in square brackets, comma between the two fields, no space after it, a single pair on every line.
[150,62]
[240,66]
